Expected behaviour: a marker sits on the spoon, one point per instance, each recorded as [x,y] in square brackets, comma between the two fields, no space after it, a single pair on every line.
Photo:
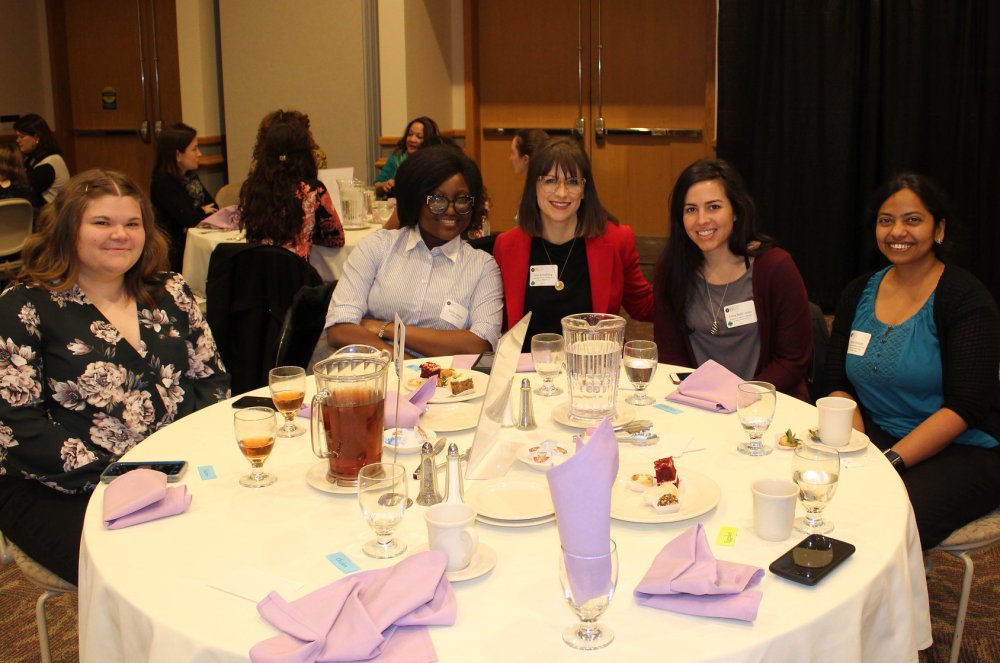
[632,427]
[640,439]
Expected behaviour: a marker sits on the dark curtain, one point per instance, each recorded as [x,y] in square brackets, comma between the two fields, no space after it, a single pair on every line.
[821,100]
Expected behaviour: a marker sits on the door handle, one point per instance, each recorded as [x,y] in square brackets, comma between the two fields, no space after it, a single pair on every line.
[653,132]
[144,131]
[503,132]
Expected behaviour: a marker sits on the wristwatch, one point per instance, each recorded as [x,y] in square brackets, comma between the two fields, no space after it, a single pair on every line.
[896,460]
[381,330]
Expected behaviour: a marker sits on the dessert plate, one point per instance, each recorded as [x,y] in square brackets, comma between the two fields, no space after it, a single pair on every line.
[449,417]
[625,414]
[699,494]
[316,477]
[533,456]
[444,395]
[511,498]
[412,439]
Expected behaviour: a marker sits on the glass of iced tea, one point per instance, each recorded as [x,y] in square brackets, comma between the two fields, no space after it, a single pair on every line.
[255,428]
[288,389]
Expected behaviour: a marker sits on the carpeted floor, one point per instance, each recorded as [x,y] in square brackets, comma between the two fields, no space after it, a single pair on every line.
[981,644]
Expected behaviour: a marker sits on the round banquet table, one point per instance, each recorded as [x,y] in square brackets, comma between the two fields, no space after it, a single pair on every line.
[146,592]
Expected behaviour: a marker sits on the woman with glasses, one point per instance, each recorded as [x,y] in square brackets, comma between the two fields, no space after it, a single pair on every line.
[725,293]
[447,293]
[567,255]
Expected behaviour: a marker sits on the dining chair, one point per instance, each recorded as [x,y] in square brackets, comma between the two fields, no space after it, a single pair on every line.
[303,325]
[50,584]
[229,194]
[16,220]
[978,535]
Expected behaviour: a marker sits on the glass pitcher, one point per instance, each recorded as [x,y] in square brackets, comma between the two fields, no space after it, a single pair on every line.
[352,202]
[593,344]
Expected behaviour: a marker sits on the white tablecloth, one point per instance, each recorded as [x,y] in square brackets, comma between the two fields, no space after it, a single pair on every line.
[145,591]
[328,261]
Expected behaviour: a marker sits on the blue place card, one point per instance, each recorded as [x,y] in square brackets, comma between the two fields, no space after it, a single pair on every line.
[206,472]
[667,408]
[343,562]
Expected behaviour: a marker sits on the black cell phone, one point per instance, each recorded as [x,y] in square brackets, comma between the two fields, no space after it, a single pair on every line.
[174,469]
[253,401]
[812,559]
[484,363]
[677,378]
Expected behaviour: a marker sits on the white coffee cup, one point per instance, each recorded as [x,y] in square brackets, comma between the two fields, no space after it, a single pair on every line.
[836,420]
[451,529]
[774,508]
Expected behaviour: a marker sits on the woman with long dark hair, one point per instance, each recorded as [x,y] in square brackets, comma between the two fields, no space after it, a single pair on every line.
[417,131]
[47,171]
[13,178]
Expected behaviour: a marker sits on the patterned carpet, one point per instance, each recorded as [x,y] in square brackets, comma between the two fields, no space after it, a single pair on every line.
[981,643]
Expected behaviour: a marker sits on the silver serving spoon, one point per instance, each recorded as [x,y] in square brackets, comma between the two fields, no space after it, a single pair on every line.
[632,427]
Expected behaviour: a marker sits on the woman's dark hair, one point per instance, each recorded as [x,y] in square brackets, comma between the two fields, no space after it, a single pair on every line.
[288,117]
[430,130]
[50,255]
[681,259]
[529,140]
[172,140]
[566,155]
[35,125]
[270,204]
[930,194]
[424,171]
[12,164]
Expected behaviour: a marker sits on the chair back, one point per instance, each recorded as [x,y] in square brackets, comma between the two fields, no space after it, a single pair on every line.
[229,194]
[249,290]
[304,323]
[16,220]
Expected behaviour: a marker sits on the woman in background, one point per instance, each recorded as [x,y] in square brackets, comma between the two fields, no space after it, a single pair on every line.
[179,198]
[13,178]
[282,202]
[47,171]
[917,345]
[726,293]
[296,118]
[583,260]
[417,131]
[525,143]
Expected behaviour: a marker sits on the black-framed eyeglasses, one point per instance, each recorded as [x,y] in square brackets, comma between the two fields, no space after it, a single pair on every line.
[438,203]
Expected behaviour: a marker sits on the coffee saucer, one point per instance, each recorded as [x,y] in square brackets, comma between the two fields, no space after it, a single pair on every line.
[858,441]
[482,563]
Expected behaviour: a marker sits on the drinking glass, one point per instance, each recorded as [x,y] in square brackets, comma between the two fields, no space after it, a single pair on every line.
[288,390]
[255,428]
[588,585]
[755,404]
[382,497]
[815,469]
[640,367]
[549,356]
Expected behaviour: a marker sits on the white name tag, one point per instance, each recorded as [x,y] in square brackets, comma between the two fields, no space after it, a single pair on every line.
[858,343]
[540,275]
[741,314]
[454,313]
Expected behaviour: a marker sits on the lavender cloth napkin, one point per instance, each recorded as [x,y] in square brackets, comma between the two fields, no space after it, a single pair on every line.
[371,615]
[711,387]
[581,494]
[524,363]
[410,408]
[685,577]
[140,496]
[226,218]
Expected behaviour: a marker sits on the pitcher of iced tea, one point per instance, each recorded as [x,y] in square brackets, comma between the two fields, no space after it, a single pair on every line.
[348,410]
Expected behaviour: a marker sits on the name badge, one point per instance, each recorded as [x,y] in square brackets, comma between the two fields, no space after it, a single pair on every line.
[543,275]
[454,313]
[858,343]
[744,313]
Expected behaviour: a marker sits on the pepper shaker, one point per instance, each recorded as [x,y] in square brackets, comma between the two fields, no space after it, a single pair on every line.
[428,477]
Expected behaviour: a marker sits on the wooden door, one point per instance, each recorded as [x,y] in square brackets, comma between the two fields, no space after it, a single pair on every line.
[122,75]
[644,67]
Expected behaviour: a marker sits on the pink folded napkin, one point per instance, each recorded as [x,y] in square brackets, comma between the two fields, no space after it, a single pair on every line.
[226,218]
[711,387]
[581,494]
[140,496]
[685,577]
[410,408]
[371,615]
[524,363]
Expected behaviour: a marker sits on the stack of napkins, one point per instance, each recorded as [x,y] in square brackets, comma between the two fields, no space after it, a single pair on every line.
[711,387]
[140,496]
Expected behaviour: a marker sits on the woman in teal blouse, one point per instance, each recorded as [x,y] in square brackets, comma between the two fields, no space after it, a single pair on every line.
[417,131]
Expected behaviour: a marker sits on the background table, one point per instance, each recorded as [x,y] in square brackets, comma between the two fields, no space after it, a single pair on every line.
[145,594]
[328,261]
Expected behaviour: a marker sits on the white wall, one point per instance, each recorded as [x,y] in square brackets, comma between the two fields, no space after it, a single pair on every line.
[25,79]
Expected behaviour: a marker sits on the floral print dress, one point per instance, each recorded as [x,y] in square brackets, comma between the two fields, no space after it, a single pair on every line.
[320,222]
[75,395]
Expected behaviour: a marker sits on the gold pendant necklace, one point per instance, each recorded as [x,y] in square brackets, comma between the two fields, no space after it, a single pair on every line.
[714,329]
[559,284]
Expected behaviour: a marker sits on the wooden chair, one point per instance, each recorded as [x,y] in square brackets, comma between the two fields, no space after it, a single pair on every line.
[50,584]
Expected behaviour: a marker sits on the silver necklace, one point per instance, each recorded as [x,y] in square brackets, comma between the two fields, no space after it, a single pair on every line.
[559,284]
[714,329]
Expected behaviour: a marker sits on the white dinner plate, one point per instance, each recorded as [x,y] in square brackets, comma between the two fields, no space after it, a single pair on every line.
[531,522]
[699,494]
[535,461]
[625,414]
[363,226]
[316,477]
[482,562]
[444,395]
[512,498]
[450,417]
[858,441]
[413,439]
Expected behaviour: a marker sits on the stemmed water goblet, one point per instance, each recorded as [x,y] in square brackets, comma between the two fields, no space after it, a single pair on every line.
[548,353]
[255,428]
[755,403]
[588,584]
[640,358]
[816,470]
[288,390]
[382,498]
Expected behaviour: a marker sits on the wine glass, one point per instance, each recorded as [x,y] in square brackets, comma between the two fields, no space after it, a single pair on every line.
[288,389]
[255,427]
[815,468]
[549,356]
[755,404]
[640,367]
[588,585]
[382,497]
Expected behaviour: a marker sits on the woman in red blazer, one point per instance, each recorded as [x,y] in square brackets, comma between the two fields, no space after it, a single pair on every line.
[567,255]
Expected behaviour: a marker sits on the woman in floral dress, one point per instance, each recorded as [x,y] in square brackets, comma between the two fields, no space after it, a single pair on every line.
[98,348]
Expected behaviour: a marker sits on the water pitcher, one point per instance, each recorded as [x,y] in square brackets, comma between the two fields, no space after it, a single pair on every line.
[593,356]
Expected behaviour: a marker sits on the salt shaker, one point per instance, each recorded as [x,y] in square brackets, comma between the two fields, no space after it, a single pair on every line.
[526,416]
[428,477]
[454,490]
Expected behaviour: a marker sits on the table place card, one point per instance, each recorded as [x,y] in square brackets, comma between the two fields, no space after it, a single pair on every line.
[254,583]
[727,536]
[206,472]
[667,408]
[343,562]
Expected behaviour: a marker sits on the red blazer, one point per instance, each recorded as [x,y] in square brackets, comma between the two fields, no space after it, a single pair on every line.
[613,262]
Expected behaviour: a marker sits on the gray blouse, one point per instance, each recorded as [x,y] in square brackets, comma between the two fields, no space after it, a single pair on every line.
[737,348]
